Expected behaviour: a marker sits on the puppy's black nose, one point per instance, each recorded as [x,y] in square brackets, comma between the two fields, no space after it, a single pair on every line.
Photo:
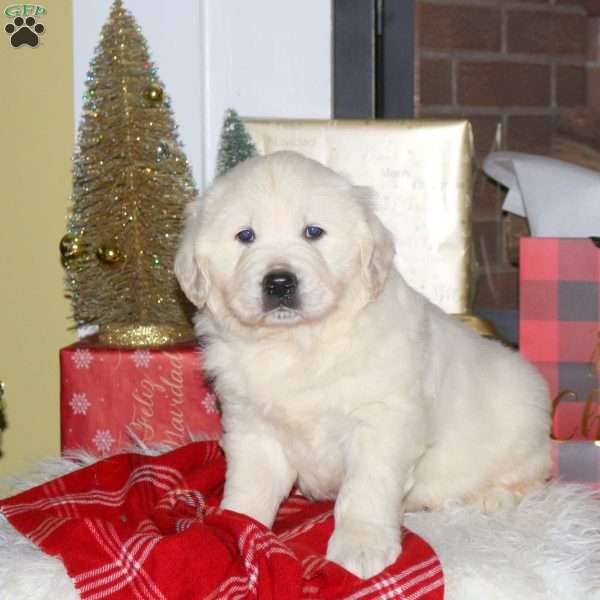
[280,283]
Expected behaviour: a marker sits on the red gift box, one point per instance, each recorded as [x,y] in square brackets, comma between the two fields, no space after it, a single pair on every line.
[113,398]
[560,328]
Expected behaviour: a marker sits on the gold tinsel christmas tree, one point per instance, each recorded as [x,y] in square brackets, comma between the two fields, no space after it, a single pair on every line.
[131,182]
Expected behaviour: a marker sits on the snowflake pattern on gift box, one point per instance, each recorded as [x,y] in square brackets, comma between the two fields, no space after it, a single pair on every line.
[103,440]
[141,358]
[79,403]
[82,358]
[210,404]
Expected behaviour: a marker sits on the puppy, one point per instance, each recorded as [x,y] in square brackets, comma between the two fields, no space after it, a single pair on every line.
[335,374]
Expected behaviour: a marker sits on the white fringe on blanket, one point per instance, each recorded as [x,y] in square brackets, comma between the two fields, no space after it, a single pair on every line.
[547,548]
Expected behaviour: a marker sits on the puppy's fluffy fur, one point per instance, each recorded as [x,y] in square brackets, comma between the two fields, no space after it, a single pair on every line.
[363,390]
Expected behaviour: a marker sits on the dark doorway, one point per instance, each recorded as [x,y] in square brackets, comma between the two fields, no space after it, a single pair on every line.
[373,59]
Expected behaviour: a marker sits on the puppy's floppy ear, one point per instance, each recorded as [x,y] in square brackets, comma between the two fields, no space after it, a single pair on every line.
[190,271]
[376,245]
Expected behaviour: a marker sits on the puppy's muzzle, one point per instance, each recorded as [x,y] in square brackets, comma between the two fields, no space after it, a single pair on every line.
[279,289]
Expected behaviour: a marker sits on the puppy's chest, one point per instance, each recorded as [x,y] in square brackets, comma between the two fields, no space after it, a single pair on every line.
[293,388]
[301,403]
[306,404]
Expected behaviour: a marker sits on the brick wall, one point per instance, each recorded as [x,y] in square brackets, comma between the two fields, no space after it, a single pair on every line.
[509,63]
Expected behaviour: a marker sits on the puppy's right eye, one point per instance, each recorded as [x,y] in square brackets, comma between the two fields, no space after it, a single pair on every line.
[246,236]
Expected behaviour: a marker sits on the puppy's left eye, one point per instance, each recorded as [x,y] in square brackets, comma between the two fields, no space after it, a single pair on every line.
[246,236]
[312,232]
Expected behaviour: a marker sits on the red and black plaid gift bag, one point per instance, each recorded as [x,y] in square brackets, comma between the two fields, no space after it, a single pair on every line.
[560,334]
[560,328]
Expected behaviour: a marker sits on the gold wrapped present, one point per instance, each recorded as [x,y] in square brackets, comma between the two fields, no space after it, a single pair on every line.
[421,171]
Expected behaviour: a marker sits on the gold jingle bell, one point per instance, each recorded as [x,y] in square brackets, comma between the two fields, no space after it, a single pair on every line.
[108,256]
[154,93]
[70,246]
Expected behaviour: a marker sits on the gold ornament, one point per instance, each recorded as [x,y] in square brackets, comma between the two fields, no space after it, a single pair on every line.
[109,256]
[70,246]
[154,93]
[163,151]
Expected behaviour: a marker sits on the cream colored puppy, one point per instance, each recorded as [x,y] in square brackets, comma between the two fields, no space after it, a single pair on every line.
[333,373]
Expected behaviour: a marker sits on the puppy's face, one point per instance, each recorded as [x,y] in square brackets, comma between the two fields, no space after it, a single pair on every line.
[281,240]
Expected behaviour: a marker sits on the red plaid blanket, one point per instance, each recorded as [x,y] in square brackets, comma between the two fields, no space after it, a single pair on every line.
[149,528]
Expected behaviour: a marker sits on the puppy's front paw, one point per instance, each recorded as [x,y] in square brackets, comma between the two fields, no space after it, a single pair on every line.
[364,550]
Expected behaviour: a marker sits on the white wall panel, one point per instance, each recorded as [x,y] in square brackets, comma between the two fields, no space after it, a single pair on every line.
[266,58]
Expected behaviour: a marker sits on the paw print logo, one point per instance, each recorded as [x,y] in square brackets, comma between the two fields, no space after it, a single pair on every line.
[24,31]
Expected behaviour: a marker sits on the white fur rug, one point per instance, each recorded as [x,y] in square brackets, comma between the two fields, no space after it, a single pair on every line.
[547,548]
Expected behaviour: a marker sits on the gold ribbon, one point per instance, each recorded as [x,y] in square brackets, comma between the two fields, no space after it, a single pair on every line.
[481,326]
